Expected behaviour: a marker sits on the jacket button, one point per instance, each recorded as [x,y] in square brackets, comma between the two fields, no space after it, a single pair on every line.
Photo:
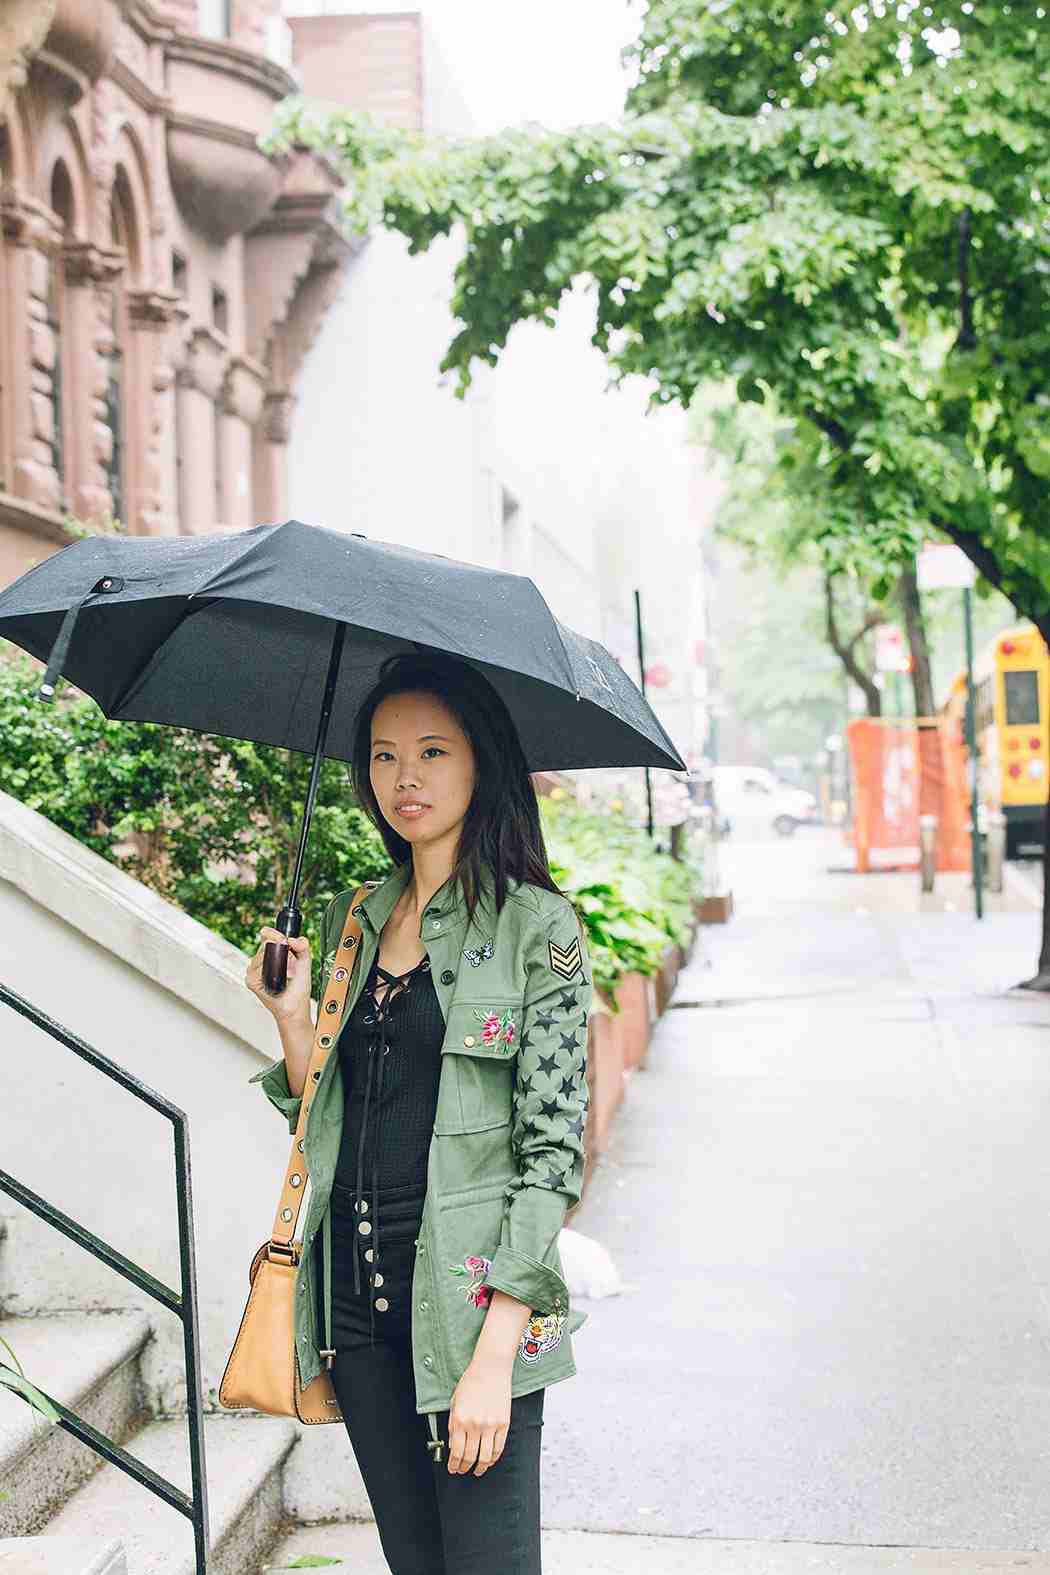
[423,1306]
[381,1304]
[365,1228]
[428,1361]
[469,1040]
[448,977]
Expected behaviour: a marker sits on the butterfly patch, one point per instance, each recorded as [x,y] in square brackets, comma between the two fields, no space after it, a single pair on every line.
[566,961]
[476,955]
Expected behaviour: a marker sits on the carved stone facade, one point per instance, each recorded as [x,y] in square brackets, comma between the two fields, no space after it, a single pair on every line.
[160,278]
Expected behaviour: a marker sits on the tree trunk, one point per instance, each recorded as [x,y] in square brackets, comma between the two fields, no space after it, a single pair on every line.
[931,770]
[918,645]
[1041,981]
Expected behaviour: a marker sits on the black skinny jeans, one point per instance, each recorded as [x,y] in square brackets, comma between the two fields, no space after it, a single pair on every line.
[430,1521]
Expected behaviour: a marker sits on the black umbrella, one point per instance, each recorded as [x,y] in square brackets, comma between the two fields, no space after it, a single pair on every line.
[275,634]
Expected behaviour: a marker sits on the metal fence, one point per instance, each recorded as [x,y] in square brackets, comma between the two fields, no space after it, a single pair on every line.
[183,1303]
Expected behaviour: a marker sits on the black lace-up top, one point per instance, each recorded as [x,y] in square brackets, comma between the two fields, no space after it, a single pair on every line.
[390,1062]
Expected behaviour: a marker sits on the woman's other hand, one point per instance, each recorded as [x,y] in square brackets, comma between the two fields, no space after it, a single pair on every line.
[479,1419]
[294,999]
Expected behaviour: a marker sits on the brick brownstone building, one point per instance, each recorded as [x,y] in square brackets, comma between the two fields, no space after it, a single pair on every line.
[160,278]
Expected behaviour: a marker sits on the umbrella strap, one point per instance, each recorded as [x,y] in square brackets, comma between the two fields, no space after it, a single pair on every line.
[107,585]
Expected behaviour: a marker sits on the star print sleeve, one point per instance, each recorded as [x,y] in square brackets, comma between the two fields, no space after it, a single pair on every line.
[550,1111]
[274,1078]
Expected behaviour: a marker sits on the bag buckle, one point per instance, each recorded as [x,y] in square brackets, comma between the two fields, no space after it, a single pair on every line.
[277,1250]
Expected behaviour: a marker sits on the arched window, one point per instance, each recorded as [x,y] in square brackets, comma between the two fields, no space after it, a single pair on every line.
[62,207]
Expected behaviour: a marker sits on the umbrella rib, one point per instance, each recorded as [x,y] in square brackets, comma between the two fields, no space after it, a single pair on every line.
[561,641]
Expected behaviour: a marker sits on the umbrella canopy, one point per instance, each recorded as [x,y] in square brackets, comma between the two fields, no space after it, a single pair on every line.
[232,634]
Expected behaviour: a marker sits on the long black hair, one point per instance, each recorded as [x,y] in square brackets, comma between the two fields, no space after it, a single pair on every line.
[501,830]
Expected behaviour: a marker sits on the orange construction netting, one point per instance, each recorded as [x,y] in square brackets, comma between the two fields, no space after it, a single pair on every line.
[899,770]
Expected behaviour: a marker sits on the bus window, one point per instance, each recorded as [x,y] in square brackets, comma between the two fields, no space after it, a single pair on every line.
[1022,698]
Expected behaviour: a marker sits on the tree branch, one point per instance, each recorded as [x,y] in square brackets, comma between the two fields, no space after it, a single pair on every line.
[844,650]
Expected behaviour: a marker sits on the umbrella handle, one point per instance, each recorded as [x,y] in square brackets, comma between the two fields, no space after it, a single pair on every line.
[275,957]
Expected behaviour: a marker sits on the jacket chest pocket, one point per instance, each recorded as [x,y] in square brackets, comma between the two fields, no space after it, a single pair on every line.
[479,1056]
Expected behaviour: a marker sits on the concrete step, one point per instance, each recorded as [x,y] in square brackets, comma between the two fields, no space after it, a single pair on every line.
[244,1457]
[60,1556]
[89,1361]
[43,1271]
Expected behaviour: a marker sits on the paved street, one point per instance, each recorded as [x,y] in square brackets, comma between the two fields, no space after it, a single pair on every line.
[828,1194]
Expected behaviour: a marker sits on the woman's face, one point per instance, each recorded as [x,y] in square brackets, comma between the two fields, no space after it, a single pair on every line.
[422,767]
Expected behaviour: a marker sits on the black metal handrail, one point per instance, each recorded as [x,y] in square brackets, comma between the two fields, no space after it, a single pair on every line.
[195,1507]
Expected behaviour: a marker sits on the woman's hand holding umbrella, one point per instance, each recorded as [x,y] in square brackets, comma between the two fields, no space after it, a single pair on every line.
[291,1007]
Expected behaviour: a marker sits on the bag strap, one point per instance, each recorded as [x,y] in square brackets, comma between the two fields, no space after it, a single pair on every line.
[329,1014]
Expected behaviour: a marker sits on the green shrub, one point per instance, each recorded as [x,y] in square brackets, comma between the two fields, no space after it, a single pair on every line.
[197,800]
[631,899]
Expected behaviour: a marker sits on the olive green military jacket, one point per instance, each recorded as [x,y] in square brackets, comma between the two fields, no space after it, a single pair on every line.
[506,1155]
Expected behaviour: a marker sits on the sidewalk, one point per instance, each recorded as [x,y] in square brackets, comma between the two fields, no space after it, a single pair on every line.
[828,1195]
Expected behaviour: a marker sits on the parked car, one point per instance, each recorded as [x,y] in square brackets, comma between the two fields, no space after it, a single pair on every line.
[752,793]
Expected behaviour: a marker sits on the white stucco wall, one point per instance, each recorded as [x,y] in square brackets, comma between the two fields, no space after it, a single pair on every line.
[604,493]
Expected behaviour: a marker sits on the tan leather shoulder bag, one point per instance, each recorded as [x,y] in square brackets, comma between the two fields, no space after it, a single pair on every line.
[262,1372]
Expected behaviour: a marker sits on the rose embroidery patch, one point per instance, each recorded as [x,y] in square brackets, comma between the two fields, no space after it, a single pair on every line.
[475,1268]
[541,1334]
[497,1028]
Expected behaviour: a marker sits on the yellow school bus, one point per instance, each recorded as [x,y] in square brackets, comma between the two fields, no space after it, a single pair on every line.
[1012,683]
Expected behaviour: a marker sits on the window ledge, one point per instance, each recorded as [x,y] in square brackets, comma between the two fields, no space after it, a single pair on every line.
[45,524]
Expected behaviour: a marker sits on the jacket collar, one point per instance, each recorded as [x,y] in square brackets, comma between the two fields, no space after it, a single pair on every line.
[447,901]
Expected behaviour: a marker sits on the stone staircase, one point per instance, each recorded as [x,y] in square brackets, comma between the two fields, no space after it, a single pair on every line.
[66,1510]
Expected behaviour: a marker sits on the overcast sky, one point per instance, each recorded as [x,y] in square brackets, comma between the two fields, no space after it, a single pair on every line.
[555,61]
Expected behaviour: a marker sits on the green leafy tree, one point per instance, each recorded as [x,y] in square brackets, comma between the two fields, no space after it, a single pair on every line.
[844,203]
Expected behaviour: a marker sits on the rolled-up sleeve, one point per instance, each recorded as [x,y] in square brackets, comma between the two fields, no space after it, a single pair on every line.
[274,1078]
[550,1113]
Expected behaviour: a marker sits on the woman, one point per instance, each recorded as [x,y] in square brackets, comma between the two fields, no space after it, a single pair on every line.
[458,1086]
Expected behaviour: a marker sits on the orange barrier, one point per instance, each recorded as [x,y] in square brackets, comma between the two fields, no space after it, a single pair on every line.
[899,769]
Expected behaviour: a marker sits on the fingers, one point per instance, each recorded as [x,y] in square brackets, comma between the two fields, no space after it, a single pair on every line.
[490,1450]
[298,943]
[472,1443]
[458,1448]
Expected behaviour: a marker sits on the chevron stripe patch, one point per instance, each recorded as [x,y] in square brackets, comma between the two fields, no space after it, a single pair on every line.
[566,960]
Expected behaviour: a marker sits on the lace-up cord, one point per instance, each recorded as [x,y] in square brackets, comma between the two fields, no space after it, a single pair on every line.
[397,985]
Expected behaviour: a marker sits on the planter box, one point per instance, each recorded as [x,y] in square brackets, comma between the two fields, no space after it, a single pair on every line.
[636,1000]
[715,910]
[605,1076]
[666,978]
